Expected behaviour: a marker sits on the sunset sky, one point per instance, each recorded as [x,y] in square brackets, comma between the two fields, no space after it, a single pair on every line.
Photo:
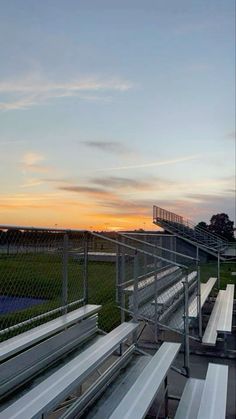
[109,107]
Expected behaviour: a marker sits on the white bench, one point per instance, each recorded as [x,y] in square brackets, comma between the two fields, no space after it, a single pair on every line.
[139,398]
[174,291]
[205,399]
[147,287]
[30,352]
[47,395]
[16,344]
[205,292]
[221,317]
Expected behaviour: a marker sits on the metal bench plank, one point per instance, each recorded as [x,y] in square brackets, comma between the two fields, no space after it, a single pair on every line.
[190,400]
[150,280]
[210,335]
[213,401]
[32,336]
[205,291]
[173,291]
[45,396]
[139,398]
[225,320]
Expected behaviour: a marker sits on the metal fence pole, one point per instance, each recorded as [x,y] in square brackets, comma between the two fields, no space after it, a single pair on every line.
[135,297]
[135,294]
[199,308]
[85,270]
[186,326]
[155,294]
[120,296]
[218,270]
[65,272]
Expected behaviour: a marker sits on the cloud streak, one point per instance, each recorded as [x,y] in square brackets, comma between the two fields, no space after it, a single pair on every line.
[23,94]
[153,164]
[108,146]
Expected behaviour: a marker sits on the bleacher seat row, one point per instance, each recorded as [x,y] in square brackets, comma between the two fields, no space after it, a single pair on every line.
[38,395]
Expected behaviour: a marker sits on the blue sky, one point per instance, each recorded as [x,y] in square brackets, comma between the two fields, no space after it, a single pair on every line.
[109,107]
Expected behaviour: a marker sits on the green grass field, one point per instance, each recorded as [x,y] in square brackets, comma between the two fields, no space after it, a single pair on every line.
[40,276]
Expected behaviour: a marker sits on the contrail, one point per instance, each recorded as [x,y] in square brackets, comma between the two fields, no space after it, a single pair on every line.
[156,163]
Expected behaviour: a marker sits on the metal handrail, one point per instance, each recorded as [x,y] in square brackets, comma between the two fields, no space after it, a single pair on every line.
[144,252]
[159,247]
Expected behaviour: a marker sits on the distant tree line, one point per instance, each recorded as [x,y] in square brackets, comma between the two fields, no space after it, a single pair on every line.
[221,225]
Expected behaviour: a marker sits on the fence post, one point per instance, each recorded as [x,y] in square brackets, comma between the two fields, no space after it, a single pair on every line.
[135,297]
[199,309]
[85,271]
[218,270]
[186,326]
[120,296]
[65,272]
[155,294]
[135,294]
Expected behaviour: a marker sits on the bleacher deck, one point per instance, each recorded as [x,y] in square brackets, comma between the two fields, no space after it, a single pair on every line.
[221,317]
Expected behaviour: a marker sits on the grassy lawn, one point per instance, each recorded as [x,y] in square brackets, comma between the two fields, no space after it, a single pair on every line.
[40,276]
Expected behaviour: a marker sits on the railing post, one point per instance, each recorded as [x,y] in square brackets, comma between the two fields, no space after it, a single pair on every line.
[155,294]
[199,308]
[218,270]
[85,271]
[135,294]
[120,296]
[186,326]
[65,272]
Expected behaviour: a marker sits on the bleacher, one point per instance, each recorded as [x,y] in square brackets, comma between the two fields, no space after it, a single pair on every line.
[50,364]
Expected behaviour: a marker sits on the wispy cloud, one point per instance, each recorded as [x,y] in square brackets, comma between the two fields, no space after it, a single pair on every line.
[153,164]
[108,146]
[32,162]
[33,90]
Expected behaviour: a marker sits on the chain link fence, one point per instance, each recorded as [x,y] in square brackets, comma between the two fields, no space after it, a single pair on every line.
[45,273]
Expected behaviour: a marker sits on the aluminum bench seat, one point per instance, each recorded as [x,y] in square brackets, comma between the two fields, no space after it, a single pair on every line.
[221,317]
[190,400]
[45,396]
[20,342]
[151,279]
[167,296]
[210,334]
[205,292]
[109,399]
[139,398]
[148,287]
[214,395]
[205,399]
[24,366]
[225,320]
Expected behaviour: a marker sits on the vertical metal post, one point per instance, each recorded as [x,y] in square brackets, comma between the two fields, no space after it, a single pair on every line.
[186,326]
[145,256]
[155,294]
[199,308]
[122,279]
[65,272]
[218,270]
[135,294]
[120,297]
[166,398]
[85,270]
